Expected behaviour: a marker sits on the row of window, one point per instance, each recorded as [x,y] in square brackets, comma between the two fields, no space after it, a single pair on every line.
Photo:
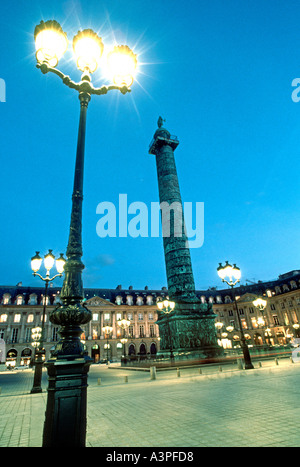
[258,322]
[129,332]
[107,317]
[15,333]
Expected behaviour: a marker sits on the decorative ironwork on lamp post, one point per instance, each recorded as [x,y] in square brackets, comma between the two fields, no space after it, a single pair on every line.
[167,307]
[233,274]
[38,340]
[65,423]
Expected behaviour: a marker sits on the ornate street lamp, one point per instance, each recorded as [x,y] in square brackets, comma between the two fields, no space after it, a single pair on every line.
[167,307]
[124,324]
[107,331]
[232,275]
[69,364]
[38,336]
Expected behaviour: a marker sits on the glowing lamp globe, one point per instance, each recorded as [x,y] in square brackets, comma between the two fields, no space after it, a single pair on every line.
[122,63]
[50,42]
[88,49]
[60,264]
[49,260]
[36,262]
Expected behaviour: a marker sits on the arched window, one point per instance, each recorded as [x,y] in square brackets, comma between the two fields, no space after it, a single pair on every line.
[153,349]
[131,349]
[143,350]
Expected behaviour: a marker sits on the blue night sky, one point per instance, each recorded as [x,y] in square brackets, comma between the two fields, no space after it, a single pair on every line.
[220,72]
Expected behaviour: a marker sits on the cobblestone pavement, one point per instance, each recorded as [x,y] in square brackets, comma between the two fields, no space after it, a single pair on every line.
[216,408]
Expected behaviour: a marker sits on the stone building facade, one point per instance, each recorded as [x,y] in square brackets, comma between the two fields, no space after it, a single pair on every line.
[21,309]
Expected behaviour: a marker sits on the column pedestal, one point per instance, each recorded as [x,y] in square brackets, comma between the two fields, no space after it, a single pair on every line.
[192,332]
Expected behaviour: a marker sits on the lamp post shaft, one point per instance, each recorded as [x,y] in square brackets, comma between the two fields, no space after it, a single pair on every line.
[245,349]
[65,421]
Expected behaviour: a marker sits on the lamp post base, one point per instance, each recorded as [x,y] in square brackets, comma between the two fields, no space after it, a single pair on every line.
[65,421]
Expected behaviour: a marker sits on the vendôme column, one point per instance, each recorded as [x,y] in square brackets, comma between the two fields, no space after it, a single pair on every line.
[190,329]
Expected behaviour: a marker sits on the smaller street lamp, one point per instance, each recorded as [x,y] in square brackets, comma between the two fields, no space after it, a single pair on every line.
[167,307]
[260,304]
[107,331]
[233,275]
[124,324]
[38,333]
[124,341]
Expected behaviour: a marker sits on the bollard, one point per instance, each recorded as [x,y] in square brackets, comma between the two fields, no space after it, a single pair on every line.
[152,372]
[276,361]
[220,369]
[291,360]
[125,379]
[259,365]
[200,371]
[178,373]
[99,381]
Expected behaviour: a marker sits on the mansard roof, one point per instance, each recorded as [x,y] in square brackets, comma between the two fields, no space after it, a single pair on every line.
[283,284]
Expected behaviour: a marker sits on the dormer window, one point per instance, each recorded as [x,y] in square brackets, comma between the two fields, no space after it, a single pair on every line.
[139,301]
[119,300]
[6,299]
[149,300]
[129,300]
[32,299]
[19,300]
